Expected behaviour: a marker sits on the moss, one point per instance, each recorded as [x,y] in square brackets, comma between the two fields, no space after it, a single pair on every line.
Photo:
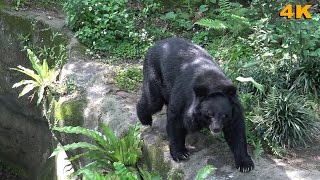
[70,112]
[79,48]
[154,159]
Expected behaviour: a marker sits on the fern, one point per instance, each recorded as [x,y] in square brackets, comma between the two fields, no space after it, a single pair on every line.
[123,172]
[210,23]
[74,146]
[229,18]
[108,153]
[225,7]
[88,169]
[100,139]
[147,175]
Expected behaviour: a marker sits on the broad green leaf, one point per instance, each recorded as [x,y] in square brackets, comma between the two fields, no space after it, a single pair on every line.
[111,136]
[23,82]
[28,72]
[35,62]
[40,94]
[73,146]
[45,69]
[95,135]
[250,79]
[203,8]
[204,172]
[26,89]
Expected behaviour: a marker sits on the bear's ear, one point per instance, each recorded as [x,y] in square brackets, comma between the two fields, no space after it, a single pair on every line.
[229,90]
[201,90]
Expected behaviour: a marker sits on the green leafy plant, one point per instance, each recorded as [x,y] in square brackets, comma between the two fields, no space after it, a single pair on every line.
[179,20]
[129,79]
[287,119]
[55,53]
[305,77]
[110,27]
[230,17]
[110,156]
[43,80]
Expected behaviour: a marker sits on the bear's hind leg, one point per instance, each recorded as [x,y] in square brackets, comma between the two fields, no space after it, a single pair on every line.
[151,102]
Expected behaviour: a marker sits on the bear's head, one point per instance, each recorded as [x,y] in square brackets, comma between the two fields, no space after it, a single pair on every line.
[215,111]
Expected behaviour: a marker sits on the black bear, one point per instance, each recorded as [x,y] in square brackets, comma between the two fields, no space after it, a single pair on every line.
[197,93]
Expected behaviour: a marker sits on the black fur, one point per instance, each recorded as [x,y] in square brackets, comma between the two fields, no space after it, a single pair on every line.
[185,78]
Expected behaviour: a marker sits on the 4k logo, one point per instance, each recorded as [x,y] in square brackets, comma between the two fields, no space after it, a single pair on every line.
[287,11]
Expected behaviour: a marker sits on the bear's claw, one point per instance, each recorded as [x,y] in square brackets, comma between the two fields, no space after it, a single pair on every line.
[180,155]
[245,165]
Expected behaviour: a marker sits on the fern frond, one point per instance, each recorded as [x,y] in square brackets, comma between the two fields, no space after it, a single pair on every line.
[100,139]
[224,7]
[240,19]
[210,23]
[123,172]
[74,146]
[90,168]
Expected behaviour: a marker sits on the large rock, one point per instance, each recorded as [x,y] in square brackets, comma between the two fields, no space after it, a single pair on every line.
[25,139]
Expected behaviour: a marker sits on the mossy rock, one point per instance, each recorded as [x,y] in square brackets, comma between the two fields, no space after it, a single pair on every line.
[70,112]
[155,161]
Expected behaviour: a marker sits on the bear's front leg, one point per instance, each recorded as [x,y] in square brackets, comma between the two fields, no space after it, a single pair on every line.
[236,139]
[177,135]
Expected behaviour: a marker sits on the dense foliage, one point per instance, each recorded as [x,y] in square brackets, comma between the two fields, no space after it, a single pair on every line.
[109,26]
[274,61]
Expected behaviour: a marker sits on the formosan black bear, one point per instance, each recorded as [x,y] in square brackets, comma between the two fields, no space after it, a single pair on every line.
[197,93]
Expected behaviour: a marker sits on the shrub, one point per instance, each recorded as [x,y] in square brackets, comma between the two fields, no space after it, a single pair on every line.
[110,26]
[129,79]
[111,157]
[230,17]
[43,81]
[286,119]
[305,77]
[99,22]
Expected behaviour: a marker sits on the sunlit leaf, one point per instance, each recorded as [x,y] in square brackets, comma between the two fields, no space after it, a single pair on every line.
[28,72]
[27,89]
[250,79]
[40,94]
[204,172]
[23,82]
[45,68]
[35,62]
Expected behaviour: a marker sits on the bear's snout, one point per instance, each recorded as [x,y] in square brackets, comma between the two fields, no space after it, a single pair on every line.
[215,126]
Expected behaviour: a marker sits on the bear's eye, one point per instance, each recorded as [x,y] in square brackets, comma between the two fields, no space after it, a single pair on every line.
[224,116]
